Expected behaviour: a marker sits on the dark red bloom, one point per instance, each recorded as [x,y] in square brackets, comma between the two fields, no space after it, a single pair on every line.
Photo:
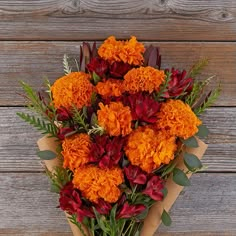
[84,212]
[106,151]
[152,57]
[135,175]
[62,114]
[98,65]
[103,207]
[178,84]
[86,54]
[63,132]
[119,69]
[70,201]
[154,188]
[128,211]
[143,108]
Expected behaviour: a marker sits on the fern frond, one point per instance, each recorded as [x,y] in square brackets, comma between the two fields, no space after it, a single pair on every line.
[197,91]
[209,101]
[79,117]
[41,125]
[67,68]
[198,67]
[163,88]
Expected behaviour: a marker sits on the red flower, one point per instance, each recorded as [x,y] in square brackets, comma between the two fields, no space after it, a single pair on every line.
[84,212]
[69,199]
[143,108]
[71,202]
[178,84]
[63,132]
[98,65]
[135,175]
[154,187]
[106,151]
[62,114]
[103,207]
[128,211]
[119,69]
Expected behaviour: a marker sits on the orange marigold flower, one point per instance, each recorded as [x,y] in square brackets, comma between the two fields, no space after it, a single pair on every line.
[143,79]
[95,183]
[129,51]
[148,148]
[115,118]
[76,150]
[110,87]
[72,89]
[178,119]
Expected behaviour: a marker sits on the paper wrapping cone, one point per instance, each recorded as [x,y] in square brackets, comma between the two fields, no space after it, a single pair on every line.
[46,143]
[153,219]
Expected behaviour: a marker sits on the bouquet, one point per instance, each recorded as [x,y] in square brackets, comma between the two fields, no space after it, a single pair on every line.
[120,136]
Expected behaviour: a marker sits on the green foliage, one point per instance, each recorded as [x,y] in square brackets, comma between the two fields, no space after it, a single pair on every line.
[41,125]
[168,169]
[59,178]
[79,117]
[163,88]
[209,101]
[67,68]
[46,155]
[198,67]
[96,78]
[74,221]
[190,142]
[34,102]
[192,162]
[180,178]
[202,131]
[165,217]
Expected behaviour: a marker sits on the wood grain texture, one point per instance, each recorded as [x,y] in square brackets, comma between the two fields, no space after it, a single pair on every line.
[97,19]
[18,141]
[31,61]
[30,209]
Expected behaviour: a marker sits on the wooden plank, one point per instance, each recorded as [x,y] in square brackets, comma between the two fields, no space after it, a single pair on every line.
[96,19]
[30,61]
[30,209]
[18,141]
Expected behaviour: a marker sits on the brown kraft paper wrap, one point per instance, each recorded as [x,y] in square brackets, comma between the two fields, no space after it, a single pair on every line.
[46,143]
[153,219]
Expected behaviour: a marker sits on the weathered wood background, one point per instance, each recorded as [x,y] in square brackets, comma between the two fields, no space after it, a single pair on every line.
[34,35]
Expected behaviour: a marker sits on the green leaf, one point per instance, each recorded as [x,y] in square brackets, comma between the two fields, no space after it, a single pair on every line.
[202,131]
[192,162]
[96,78]
[113,217]
[137,233]
[100,221]
[165,192]
[180,178]
[168,169]
[46,155]
[190,142]
[143,214]
[94,119]
[165,217]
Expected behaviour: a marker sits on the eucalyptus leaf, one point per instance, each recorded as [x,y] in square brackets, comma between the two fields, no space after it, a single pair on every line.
[190,142]
[165,217]
[46,155]
[192,162]
[180,178]
[202,131]
[165,192]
